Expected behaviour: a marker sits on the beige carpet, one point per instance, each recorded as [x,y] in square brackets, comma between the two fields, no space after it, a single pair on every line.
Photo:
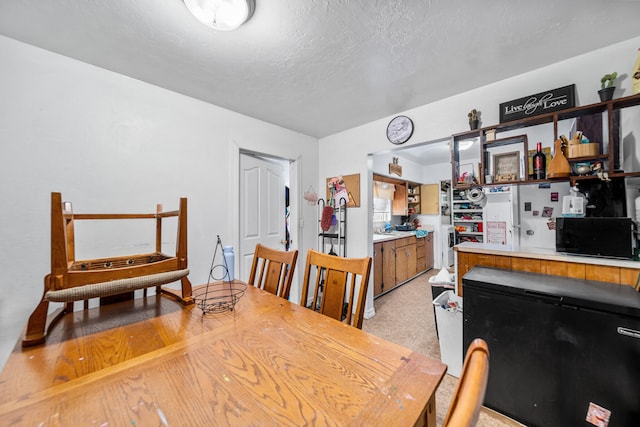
[405,316]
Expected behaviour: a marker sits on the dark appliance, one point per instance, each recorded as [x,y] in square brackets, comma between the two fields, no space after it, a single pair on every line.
[556,345]
[605,198]
[405,227]
[606,237]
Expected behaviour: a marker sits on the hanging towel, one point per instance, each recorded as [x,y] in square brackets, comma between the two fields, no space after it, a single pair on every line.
[325,222]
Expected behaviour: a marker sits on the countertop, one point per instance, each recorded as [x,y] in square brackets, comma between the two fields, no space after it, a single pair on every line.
[383,237]
[541,253]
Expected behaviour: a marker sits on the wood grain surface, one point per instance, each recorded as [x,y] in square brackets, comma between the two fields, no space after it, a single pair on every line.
[152,361]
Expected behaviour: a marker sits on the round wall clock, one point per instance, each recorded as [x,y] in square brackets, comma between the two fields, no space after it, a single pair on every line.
[399,130]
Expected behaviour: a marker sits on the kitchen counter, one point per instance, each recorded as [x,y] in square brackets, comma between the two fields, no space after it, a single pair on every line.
[542,254]
[383,237]
[399,256]
[544,261]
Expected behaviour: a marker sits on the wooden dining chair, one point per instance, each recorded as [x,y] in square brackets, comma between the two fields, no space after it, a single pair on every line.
[340,284]
[469,395]
[276,270]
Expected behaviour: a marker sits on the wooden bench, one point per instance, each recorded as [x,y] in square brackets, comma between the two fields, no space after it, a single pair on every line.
[73,280]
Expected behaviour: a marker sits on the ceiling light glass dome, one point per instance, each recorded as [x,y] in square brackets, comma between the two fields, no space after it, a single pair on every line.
[224,15]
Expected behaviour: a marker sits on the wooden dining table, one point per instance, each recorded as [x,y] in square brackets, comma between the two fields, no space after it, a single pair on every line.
[268,362]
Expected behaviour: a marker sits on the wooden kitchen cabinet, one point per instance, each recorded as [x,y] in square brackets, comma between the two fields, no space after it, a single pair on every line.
[538,264]
[424,253]
[421,255]
[405,258]
[384,267]
[429,250]
[400,203]
[468,260]
[400,260]
[565,269]
[429,201]
[377,268]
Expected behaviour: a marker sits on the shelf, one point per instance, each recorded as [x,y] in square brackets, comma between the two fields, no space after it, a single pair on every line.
[588,158]
[599,107]
[330,235]
[475,213]
[499,142]
[482,150]
[413,198]
[336,235]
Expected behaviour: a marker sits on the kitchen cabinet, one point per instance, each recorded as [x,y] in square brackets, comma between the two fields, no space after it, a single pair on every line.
[384,267]
[429,195]
[424,253]
[569,266]
[406,261]
[400,204]
[429,252]
[421,255]
[398,260]
[472,151]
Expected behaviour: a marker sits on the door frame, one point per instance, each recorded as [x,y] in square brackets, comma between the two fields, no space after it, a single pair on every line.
[295,195]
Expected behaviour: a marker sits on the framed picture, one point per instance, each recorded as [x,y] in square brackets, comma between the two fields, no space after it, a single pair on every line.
[506,167]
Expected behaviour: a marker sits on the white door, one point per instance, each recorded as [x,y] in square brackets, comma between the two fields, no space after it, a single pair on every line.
[262,208]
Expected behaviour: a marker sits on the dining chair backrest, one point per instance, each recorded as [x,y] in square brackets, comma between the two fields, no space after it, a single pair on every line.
[469,395]
[273,270]
[339,285]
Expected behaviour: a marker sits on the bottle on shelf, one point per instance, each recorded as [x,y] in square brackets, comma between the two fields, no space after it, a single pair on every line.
[539,163]
[635,76]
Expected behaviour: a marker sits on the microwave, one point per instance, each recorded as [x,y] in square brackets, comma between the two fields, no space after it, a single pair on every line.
[603,237]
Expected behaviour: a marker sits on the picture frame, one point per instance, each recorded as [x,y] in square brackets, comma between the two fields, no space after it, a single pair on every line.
[506,167]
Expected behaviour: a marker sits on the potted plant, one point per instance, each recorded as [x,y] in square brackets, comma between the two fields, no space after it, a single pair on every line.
[607,88]
[473,119]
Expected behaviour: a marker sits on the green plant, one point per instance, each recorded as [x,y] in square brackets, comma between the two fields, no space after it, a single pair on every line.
[473,115]
[608,79]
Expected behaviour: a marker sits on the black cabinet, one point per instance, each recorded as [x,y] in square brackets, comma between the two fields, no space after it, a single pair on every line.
[557,345]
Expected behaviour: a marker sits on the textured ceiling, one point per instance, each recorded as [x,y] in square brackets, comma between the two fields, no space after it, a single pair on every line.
[323,66]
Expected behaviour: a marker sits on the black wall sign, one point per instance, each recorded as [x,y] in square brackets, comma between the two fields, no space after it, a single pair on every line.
[540,103]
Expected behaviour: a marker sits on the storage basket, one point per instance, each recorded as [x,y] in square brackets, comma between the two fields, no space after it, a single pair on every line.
[583,150]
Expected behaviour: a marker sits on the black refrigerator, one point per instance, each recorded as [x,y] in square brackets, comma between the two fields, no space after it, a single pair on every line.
[558,346]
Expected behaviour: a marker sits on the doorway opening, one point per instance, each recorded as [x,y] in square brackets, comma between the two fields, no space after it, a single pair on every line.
[265,208]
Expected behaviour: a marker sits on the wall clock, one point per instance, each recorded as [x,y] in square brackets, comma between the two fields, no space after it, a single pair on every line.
[399,130]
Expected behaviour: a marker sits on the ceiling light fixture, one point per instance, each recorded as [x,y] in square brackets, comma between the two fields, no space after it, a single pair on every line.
[223,15]
[465,144]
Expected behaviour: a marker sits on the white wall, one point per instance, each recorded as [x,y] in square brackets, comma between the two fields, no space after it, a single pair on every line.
[113,144]
[346,152]
[411,171]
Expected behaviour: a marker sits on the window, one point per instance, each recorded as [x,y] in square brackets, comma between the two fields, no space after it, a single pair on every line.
[381,213]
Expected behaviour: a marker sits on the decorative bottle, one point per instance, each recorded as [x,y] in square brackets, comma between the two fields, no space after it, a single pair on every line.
[539,163]
[229,259]
[635,76]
